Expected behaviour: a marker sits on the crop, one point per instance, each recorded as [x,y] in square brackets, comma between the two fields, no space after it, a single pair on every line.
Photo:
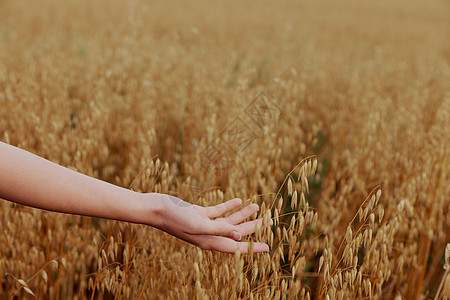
[343,111]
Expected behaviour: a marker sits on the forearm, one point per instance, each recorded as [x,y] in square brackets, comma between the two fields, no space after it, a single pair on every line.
[31,180]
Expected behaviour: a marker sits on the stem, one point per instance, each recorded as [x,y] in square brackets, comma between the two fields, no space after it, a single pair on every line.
[104,248]
[441,285]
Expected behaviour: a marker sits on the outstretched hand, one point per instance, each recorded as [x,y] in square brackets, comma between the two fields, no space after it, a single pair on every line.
[204,226]
[67,191]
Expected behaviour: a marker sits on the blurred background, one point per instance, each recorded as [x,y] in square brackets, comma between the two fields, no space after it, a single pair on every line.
[137,93]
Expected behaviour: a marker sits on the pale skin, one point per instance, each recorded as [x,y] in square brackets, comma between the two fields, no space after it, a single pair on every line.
[30,180]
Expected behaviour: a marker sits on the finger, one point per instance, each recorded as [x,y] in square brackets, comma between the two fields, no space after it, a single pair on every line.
[240,216]
[220,209]
[229,246]
[250,227]
[221,228]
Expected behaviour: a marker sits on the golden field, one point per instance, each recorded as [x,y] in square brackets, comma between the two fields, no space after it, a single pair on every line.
[355,141]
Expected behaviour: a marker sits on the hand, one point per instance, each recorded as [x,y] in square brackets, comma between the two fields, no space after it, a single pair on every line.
[201,226]
[21,181]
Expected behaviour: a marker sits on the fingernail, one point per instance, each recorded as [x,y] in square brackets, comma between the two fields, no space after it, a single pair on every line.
[236,235]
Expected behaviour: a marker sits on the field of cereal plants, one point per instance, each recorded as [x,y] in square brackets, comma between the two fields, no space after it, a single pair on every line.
[333,116]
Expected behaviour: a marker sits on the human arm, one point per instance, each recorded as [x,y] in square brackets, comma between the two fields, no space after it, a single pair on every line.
[30,180]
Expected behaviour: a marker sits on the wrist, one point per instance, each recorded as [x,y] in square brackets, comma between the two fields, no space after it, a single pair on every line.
[150,209]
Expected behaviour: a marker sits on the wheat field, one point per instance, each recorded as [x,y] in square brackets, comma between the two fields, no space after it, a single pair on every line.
[333,116]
